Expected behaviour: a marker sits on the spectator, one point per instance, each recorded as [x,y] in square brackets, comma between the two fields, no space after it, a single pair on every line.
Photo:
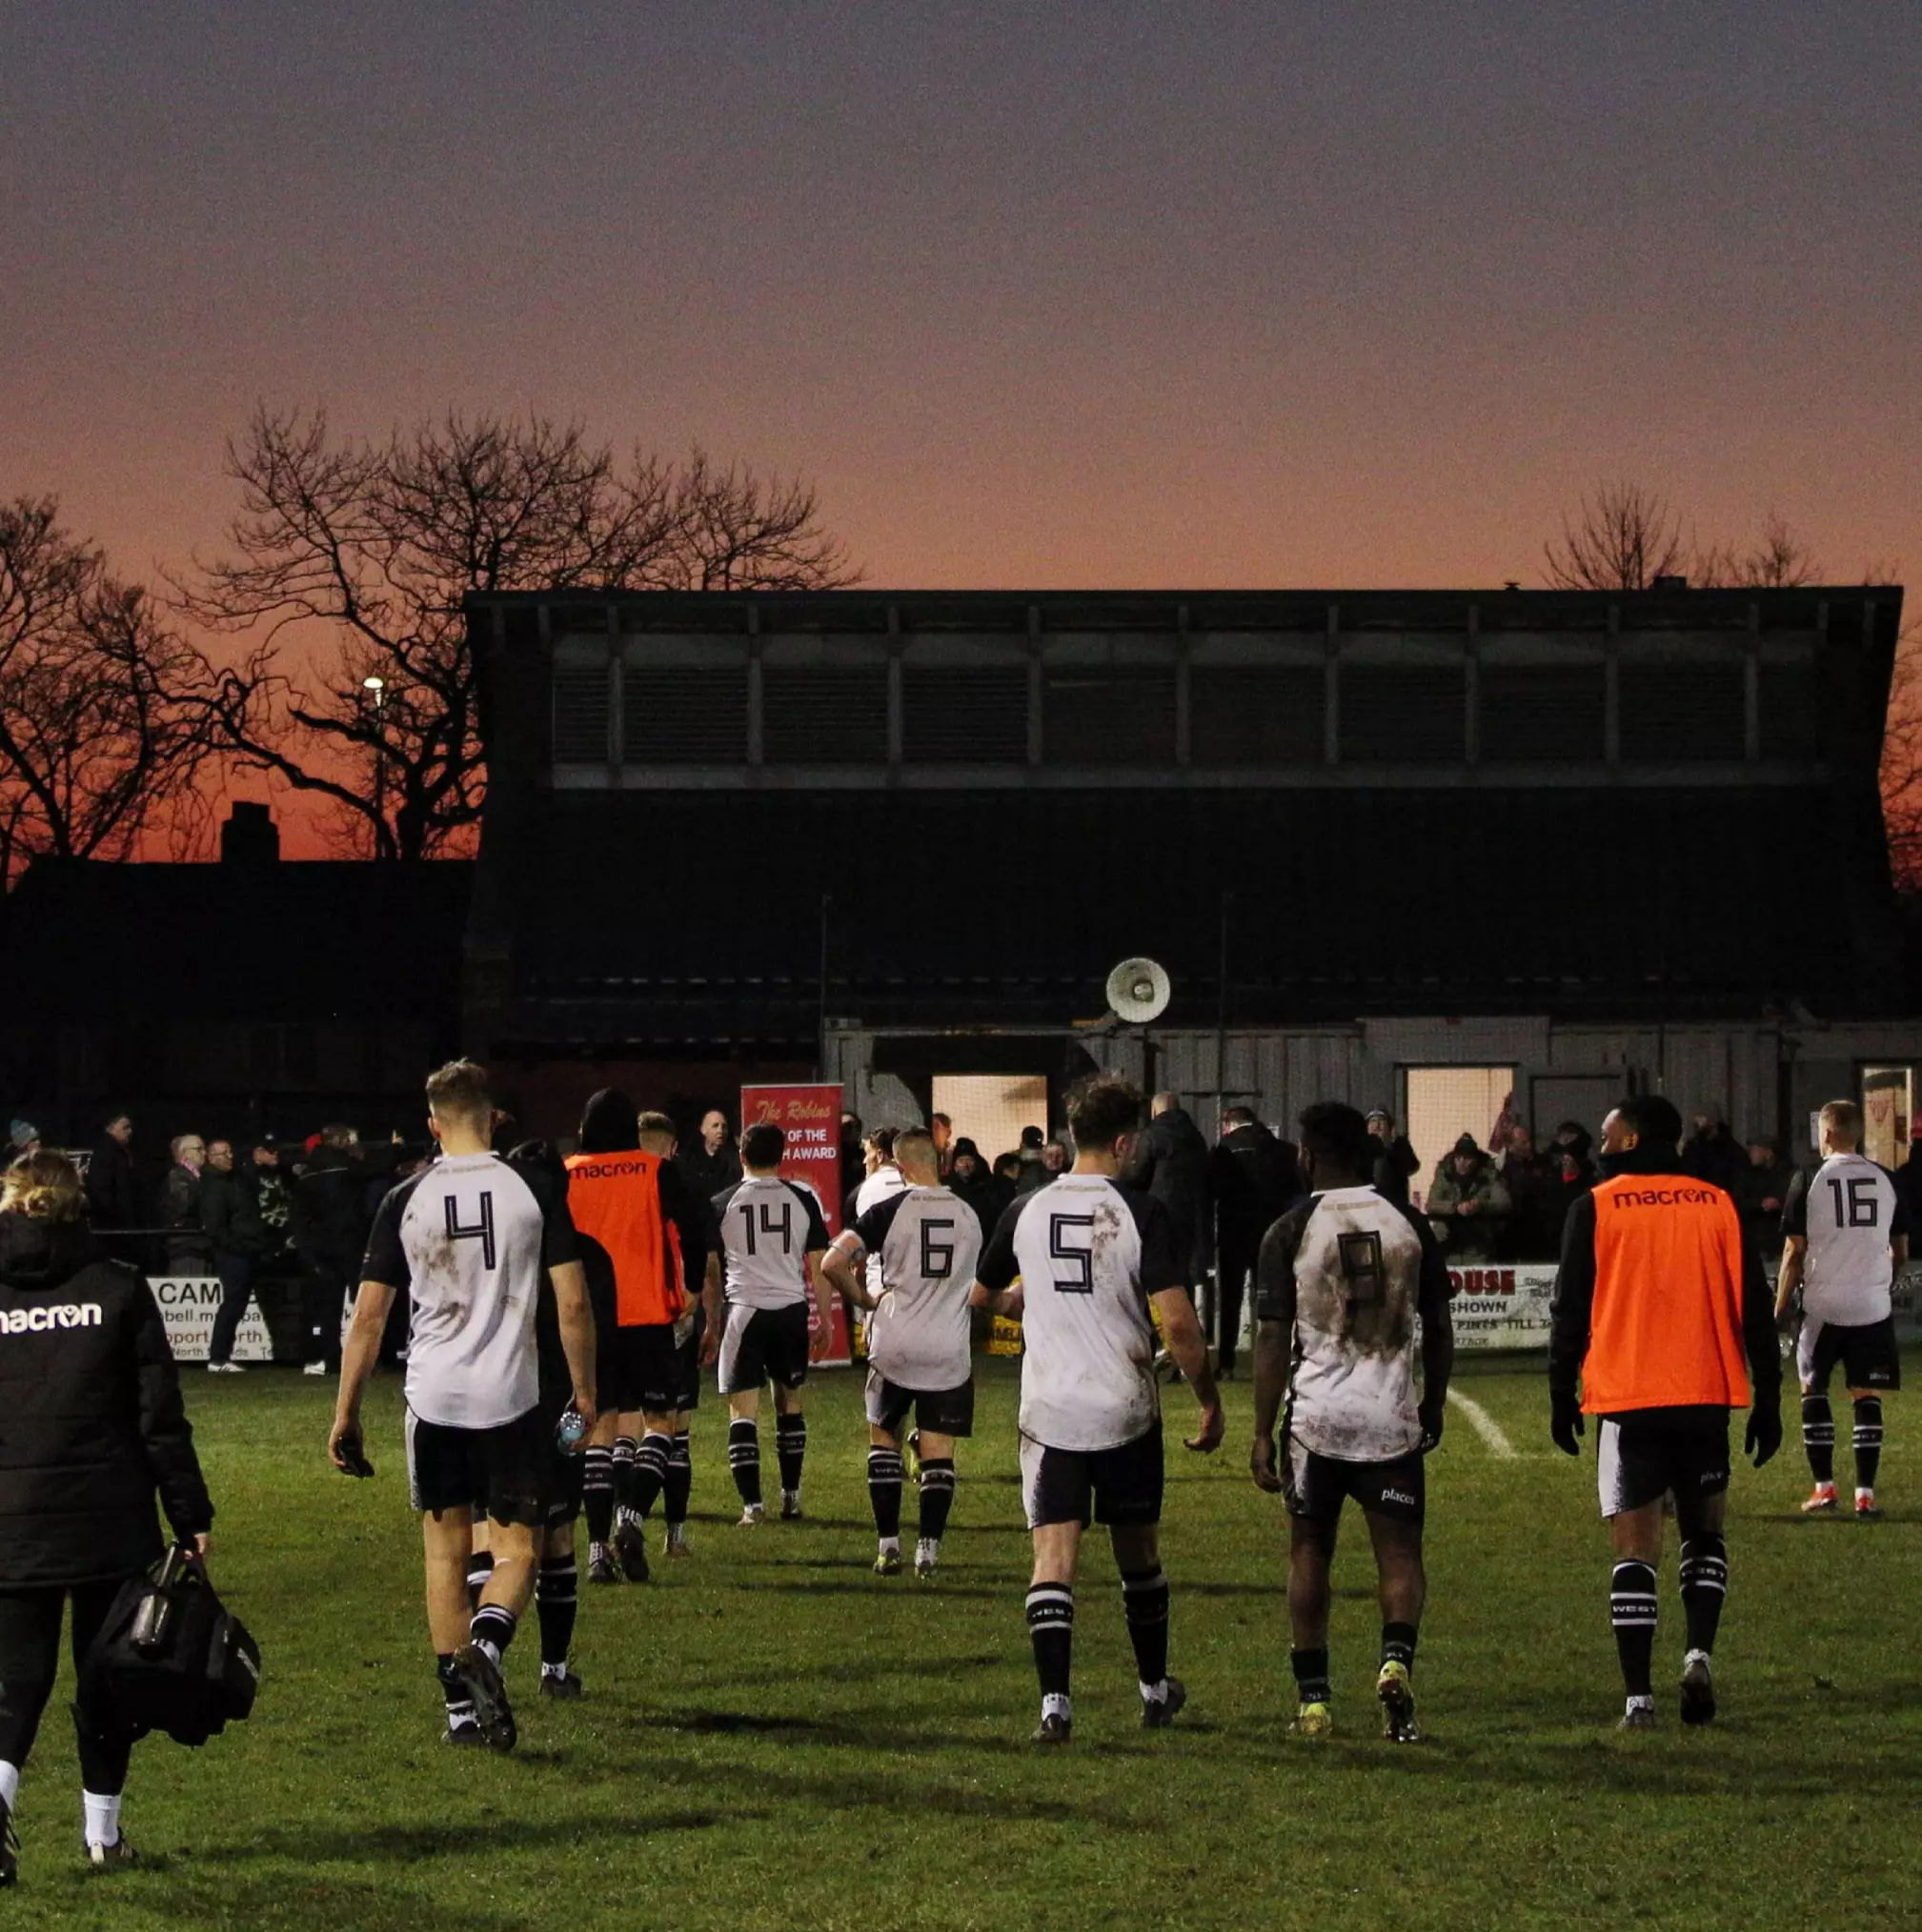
[1575,1171]
[330,1235]
[231,1217]
[187,1251]
[1170,1159]
[112,1195]
[273,1203]
[1009,1179]
[1254,1180]
[1396,1162]
[95,1427]
[969,1176]
[1533,1180]
[1765,1187]
[940,1130]
[879,1177]
[1908,1182]
[1055,1158]
[1712,1154]
[1032,1174]
[1468,1203]
[850,1152]
[715,1165]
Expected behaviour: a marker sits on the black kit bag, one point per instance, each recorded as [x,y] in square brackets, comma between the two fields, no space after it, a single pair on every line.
[170,1656]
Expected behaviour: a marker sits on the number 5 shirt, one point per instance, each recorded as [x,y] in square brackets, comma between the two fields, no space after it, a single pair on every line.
[1848,1211]
[469,1239]
[926,1240]
[1361,1267]
[768,1229]
[1089,1256]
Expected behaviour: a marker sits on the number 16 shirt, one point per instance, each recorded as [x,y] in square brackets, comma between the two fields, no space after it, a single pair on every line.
[1089,1256]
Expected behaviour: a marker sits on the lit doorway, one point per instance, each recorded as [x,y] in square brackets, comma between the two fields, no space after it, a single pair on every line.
[991,1109]
[1443,1104]
[1887,1112]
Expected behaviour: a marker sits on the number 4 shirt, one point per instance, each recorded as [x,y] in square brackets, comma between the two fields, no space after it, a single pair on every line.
[926,1242]
[1089,1256]
[1848,1211]
[1361,1267]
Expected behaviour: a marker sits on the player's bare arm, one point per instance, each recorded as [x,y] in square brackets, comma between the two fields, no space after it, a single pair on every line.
[1182,1331]
[1788,1282]
[577,1332]
[842,1271]
[1438,1347]
[1004,1301]
[1274,1288]
[358,1360]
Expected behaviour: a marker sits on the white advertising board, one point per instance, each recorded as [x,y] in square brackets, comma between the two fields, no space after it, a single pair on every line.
[189,1304]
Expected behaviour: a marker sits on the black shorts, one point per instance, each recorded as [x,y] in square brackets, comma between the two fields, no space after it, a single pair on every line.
[1315,1486]
[941,1412]
[638,1369]
[1124,1483]
[1641,1457]
[687,1365]
[503,1470]
[565,1474]
[763,1345]
[1866,1355]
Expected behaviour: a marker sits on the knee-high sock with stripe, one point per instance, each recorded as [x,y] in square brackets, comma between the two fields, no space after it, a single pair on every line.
[1705,1584]
[624,1452]
[650,1471]
[884,1479]
[1818,1436]
[1145,1603]
[1051,1630]
[555,1603]
[1868,1439]
[790,1448]
[937,1496]
[743,1458]
[679,1484]
[1631,1610]
[597,1495]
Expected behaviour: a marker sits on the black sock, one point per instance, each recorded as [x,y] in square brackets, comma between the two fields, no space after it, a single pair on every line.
[1705,1582]
[884,1478]
[743,1458]
[1145,1603]
[556,1600]
[1311,1675]
[1868,1439]
[1398,1644]
[650,1471]
[454,1693]
[790,1446]
[597,1495]
[625,1452]
[937,1496]
[679,1484]
[1818,1436]
[1631,1610]
[492,1624]
[1051,1629]
[479,1567]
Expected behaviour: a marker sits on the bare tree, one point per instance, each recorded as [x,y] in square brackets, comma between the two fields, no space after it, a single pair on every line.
[1621,539]
[1778,559]
[104,709]
[366,550]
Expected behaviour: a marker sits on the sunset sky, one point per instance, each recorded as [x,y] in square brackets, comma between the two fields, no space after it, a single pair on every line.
[1044,294]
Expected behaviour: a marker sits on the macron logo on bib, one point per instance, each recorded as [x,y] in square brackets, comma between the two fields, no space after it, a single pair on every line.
[62,1315]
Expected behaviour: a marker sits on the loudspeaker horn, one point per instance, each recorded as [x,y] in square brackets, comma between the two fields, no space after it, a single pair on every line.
[1139,991]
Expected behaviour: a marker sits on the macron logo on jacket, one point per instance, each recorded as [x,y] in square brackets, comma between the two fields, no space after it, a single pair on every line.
[62,1315]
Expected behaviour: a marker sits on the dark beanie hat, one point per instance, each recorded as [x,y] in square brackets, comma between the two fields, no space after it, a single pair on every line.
[609,1123]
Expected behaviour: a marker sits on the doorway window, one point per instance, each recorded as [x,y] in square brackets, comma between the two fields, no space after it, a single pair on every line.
[1445,1102]
[991,1109]
[1887,1112]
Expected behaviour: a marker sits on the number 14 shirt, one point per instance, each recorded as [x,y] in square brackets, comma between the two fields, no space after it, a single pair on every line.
[1090,1255]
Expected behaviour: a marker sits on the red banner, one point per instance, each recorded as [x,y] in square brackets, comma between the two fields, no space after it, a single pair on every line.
[810,1117]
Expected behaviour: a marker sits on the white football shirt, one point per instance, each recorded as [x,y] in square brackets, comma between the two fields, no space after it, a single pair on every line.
[469,1239]
[1090,1255]
[925,1241]
[1848,1211]
[1357,1263]
[768,1228]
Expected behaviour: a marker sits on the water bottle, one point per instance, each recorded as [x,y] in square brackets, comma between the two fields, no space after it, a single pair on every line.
[571,1435]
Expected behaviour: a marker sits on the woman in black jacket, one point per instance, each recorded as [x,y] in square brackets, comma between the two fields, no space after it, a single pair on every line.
[90,1426]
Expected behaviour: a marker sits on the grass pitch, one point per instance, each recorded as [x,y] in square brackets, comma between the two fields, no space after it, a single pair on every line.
[773,1738]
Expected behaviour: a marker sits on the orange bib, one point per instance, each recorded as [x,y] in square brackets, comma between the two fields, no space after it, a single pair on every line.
[615,1200]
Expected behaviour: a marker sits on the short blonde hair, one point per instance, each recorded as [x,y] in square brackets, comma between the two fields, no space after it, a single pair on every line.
[459,1091]
[1842,1121]
[44,1187]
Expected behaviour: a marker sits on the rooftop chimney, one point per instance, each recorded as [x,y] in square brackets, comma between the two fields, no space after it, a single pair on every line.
[250,836]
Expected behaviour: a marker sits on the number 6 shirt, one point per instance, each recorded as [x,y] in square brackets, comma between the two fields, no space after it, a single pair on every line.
[925,1239]
[1360,1265]
[1090,1255]
[1849,1212]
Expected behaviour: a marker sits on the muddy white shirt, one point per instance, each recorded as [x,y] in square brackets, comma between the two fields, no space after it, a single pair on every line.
[924,1242]
[1090,1255]
[469,1239]
[1360,1266]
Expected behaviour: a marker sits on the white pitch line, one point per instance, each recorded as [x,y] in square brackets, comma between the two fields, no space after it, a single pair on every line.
[1484,1424]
